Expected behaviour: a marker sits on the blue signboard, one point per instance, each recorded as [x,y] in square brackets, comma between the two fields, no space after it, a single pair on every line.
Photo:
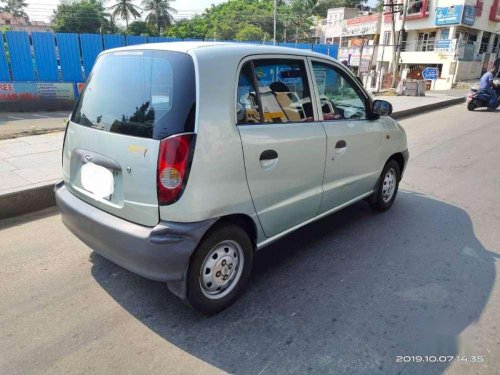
[430,73]
[449,15]
[469,15]
[443,44]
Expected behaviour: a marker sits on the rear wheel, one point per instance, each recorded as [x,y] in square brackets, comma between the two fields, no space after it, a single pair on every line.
[387,187]
[471,106]
[219,269]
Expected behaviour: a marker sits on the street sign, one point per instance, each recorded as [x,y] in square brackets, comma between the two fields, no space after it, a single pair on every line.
[430,73]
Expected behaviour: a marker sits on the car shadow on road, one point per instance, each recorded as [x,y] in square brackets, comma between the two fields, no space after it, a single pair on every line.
[347,294]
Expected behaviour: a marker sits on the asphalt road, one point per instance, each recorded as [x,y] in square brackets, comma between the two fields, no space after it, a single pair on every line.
[18,124]
[345,295]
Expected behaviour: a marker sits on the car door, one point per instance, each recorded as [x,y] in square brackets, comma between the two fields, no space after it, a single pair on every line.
[353,141]
[284,144]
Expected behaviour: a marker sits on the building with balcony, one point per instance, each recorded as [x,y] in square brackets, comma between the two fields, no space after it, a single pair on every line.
[330,29]
[458,37]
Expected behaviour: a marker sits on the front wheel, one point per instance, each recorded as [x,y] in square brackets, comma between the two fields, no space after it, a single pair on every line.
[387,187]
[471,106]
[219,269]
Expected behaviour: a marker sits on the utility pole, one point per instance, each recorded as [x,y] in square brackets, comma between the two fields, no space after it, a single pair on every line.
[275,11]
[399,44]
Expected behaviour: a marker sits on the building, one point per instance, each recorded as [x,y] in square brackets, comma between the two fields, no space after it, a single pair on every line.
[9,22]
[331,27]
[458,37]
[358,42]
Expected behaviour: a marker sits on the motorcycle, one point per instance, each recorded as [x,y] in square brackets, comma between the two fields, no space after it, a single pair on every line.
[479,98]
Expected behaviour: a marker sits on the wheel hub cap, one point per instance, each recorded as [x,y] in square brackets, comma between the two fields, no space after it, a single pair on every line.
[221,269]
[389,185]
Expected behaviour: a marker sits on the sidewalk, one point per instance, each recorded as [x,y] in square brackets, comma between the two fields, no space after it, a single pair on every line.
[30,166]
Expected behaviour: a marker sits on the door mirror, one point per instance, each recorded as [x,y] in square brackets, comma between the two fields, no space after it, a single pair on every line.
[382,108]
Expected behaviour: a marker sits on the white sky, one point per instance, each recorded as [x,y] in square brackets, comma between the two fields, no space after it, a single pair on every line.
[41,10]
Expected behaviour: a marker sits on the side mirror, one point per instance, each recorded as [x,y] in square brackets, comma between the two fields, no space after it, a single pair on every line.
[382,108]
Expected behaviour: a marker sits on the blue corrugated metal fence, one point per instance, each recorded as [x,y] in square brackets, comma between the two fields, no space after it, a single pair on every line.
[48,57]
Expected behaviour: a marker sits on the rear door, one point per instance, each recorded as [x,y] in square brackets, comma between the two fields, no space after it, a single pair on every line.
[284,145]
[353,141]
[132,100]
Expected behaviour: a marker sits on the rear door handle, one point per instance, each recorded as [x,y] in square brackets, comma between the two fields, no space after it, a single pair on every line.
[341,144]
[268,155]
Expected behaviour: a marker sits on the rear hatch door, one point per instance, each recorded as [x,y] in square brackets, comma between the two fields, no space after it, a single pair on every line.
[112,142]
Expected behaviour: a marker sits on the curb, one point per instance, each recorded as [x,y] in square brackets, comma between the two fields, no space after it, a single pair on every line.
[26,201]
[34,199]
[426,108]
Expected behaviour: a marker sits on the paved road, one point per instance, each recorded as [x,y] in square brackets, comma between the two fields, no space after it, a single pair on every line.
[346,295]
[15,124]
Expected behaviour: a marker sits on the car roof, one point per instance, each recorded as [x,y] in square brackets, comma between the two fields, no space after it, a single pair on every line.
[222,48]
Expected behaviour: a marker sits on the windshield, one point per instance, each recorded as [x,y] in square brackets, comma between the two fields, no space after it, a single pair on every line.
[149,94]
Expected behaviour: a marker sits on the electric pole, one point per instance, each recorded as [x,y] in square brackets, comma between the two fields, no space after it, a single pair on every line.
[399,45]
[274,25]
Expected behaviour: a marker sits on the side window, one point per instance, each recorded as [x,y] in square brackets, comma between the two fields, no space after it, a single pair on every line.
[274,91]
[247,107]
[340,98]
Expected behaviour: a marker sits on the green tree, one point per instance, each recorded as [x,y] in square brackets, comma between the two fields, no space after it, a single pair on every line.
[250,32]
[125,9]
[141,28]
[195,28]
[160,13]
[79,16]
[16,7]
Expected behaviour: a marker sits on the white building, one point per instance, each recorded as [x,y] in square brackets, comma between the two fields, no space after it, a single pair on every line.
[359,40]
[458,37]
[331,27]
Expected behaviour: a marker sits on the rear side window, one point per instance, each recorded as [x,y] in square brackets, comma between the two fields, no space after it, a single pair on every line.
[149,94]
[274,91]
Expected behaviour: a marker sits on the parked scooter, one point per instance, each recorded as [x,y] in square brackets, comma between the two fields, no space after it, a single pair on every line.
[480,98]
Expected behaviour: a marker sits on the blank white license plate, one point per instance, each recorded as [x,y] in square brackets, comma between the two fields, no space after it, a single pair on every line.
[97,180]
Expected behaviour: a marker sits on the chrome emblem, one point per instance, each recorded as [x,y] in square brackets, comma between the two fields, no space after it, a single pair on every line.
[87,158]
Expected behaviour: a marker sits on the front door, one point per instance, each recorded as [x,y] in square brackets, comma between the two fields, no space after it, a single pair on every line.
[353,142]
[283,145]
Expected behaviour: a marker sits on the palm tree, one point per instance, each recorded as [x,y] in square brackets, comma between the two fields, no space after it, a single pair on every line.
[16,7]
[160,13]
[125,9]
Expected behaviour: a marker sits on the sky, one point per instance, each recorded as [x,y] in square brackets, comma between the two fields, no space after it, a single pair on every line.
[41,10]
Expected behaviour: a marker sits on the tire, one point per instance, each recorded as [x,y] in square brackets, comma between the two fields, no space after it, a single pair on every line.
[219,269]
[382,199]
[471,106]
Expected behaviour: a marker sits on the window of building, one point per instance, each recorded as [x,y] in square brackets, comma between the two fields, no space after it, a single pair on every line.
[387,38]
[274,91]
[340,97]
[415,6]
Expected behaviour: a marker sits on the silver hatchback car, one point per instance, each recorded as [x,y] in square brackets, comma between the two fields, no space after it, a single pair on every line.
[181,160]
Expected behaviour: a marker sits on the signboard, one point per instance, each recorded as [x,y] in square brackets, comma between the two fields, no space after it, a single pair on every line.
[430,73]
[455,15]
[469,15]
[366,25]
[28,91]
[442,44]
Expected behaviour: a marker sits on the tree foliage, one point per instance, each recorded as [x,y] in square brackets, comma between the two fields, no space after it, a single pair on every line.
[125,9]
[159,13]
[141,28]
[16,7]
[81,16]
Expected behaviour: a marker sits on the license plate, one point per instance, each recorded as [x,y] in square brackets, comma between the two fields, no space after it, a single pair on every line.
[97,180]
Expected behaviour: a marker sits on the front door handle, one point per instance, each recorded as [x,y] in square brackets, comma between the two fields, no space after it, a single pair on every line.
[268,155]
[340,149]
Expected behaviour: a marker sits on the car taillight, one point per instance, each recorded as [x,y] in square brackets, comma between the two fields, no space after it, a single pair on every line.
[174,162]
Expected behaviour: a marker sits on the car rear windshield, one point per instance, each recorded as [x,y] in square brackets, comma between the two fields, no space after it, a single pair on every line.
[149,94]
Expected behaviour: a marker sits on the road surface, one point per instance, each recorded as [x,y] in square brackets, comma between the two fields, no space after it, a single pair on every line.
[18,124]
[346,295]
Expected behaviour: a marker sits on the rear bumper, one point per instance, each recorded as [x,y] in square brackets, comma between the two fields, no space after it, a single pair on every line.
[159,253]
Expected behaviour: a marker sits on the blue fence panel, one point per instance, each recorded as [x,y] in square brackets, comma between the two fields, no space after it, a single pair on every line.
[45,56]
[169,39]
[136,39]
[158,39]
[113,41]
[69,54]
[21,61]
[4,65]
[91,47]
